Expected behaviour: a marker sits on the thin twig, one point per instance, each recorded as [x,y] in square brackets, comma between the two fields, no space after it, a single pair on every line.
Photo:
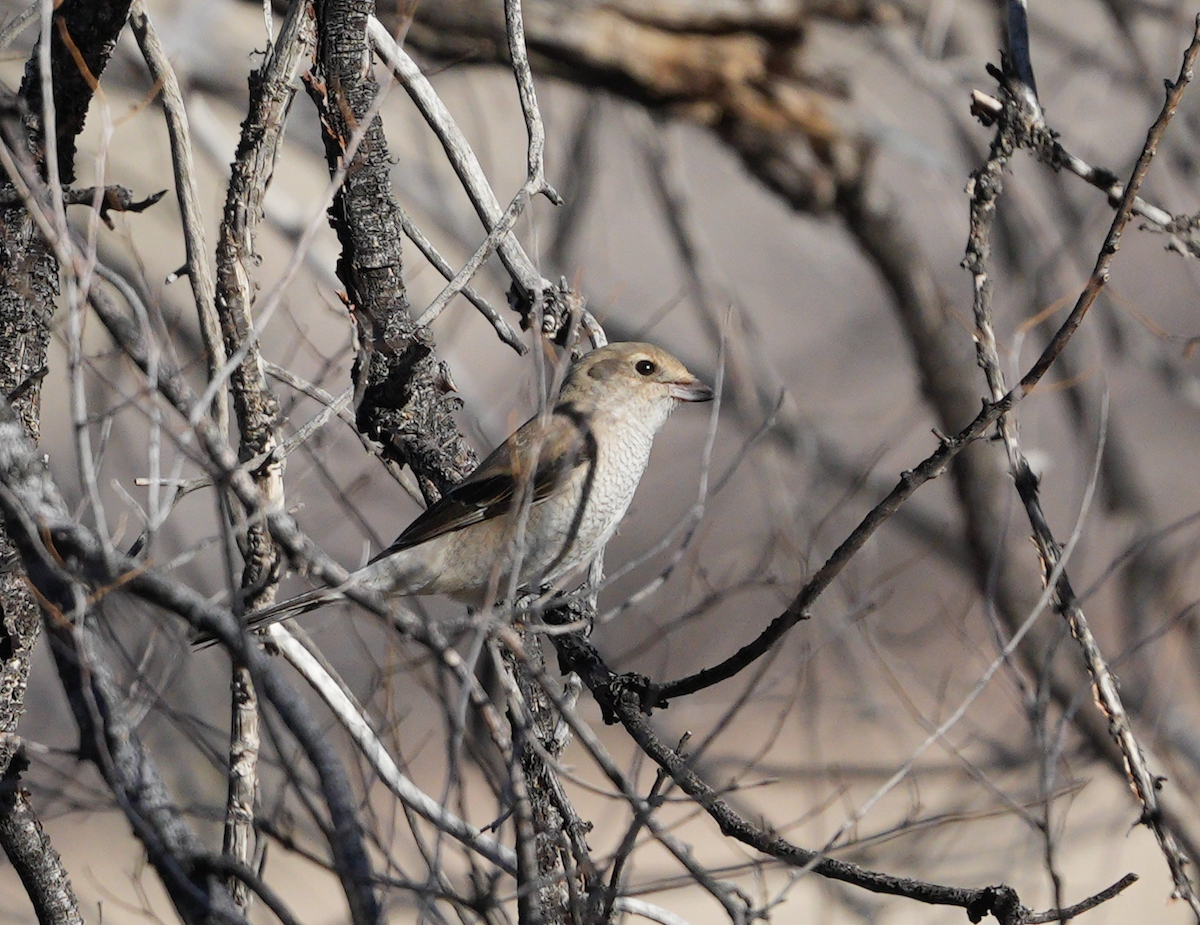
[458,152]
[935,464]
[187,189]
[514,27]
[18,24]
[354,721]
[1070,912]
[110,198]
[986,187]
[496,236]
[425,246]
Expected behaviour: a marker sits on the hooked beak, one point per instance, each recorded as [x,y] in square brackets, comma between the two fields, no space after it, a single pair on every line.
[690,390]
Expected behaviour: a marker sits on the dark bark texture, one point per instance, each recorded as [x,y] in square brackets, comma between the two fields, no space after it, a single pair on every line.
[401,387]
[32,856]
[81,43]
[82,40]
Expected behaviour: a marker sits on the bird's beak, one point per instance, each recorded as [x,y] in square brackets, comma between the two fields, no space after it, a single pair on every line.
[690,390]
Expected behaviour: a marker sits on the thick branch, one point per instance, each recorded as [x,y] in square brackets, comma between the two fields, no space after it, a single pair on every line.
[31,854]
[68,566]
[84,36]
[402,387]
[80,47]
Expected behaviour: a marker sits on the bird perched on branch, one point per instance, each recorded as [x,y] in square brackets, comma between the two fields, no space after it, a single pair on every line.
[546,500]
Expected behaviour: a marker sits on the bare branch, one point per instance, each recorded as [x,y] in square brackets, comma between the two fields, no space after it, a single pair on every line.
[187,190]
[32,505]
[352,718]
[28,849]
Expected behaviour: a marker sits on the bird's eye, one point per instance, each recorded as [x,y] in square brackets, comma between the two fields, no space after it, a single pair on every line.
[645,367]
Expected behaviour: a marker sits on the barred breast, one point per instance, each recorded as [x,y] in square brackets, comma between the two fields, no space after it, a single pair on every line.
[604,497]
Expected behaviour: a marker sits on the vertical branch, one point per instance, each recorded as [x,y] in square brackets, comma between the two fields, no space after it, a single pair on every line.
[530,836]
[1021,59]
[78,49]
[272,90]
[188,193]
[536,733]
[400,386]
[1015,126]
[535,155]
[29,285]
[534,724]
[244,744]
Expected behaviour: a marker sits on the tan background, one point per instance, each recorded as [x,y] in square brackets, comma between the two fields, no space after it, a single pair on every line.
[895,645]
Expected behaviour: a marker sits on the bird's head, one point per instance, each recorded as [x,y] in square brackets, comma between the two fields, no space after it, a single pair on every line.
[632,378]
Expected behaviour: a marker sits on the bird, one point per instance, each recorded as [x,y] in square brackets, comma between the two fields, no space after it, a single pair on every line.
[544,503]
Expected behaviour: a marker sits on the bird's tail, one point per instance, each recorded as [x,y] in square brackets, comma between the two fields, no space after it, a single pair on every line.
[392,572]
[293,607]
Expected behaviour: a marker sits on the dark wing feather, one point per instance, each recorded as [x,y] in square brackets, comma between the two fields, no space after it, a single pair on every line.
[490,491]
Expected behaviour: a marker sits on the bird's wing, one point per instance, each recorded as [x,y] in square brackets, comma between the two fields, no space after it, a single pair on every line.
[542,456]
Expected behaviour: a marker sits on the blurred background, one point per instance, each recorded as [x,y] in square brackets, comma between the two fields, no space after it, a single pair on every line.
[786,178]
